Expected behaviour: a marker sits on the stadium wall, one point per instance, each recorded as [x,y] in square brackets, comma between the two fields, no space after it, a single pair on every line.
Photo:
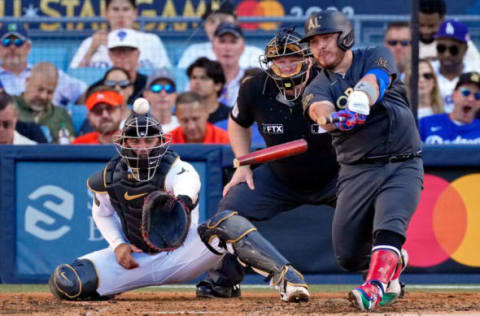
[45,211]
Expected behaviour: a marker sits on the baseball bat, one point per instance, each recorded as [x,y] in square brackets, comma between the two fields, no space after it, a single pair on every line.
[272,153]
[323,120]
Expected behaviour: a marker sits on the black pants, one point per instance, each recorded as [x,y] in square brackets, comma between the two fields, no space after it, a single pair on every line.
[373,197]
[270,198]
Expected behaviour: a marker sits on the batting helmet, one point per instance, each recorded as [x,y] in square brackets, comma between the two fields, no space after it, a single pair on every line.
[330,21]
[143,161]
[286,43]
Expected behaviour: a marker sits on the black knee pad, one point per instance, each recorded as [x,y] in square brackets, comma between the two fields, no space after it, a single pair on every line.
[76,281]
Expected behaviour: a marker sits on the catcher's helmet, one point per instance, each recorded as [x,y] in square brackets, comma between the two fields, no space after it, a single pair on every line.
[330,21]
[286,43]
[142,161]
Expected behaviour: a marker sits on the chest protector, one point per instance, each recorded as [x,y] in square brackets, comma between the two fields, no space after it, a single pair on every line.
[127,195]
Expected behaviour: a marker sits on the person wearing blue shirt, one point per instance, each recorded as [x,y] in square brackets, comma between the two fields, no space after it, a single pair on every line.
[460,126]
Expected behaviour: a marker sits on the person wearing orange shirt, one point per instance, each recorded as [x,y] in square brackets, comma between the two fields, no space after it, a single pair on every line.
[192,115]
[105,112]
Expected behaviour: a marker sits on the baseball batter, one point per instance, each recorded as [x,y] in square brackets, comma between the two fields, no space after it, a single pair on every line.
[272,99]
[145,165]
[378,148]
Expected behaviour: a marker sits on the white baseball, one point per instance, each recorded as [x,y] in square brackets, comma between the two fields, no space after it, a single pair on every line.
[141,106]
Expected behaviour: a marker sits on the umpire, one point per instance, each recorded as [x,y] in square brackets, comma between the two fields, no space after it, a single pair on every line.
[272,100]
[378,148]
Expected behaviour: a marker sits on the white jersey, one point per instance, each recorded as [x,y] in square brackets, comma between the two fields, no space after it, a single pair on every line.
[249,58]
[179,266]
[152,53]
[230,90]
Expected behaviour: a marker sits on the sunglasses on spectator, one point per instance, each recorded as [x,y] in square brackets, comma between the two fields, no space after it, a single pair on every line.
[121,83]
[8,41]
[466,92]
[404,43]
[453,49]
[98,109]
[157,88]
[6,124]
[427,76]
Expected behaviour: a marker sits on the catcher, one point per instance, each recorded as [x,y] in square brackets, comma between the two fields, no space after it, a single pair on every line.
[146,207]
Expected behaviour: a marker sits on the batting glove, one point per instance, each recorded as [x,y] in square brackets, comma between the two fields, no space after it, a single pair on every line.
[357,103]
[348,121]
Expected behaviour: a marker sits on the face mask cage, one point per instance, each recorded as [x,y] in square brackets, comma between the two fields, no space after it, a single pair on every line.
[143,160]
[287,77]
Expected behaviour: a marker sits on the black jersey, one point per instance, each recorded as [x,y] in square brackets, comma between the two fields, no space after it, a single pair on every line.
[390,128]
[280,123]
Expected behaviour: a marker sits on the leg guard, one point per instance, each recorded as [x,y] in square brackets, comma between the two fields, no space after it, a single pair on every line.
[240,237]
[383,264]
[76,281]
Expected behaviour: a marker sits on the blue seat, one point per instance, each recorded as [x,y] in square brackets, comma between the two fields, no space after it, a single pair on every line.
[78,114]
[88,75]
[54,54]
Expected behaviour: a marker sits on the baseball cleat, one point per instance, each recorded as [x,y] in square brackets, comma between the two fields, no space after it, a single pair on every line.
[367,296]
[395,288]
[208,290]
[294,293]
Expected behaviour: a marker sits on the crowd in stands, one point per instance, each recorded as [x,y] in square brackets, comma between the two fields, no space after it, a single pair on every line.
[35,99]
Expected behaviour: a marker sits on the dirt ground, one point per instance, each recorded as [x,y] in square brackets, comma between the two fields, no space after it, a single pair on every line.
[255,303]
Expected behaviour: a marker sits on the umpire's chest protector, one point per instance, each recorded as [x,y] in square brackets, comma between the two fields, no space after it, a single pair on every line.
[127,195]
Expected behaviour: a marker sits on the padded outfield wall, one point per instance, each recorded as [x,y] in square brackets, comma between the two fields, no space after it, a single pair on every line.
[45,216]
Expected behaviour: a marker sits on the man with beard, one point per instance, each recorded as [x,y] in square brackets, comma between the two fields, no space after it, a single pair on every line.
[460,126]
[431,15]
[359,98]
[15,46]
[35,104]
[451,39]
[105,112]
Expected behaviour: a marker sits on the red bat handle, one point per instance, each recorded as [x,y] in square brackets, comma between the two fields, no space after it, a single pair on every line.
[272,153]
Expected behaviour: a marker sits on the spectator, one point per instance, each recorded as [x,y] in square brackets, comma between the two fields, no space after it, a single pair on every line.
[213,17]
[431,16]
[228,45]
[105,113]
[451,41]
[430,100]
[460,126]
[161,93]
[8,122]
[35,104]
[207,79]
[119,79]
[124,53]
[192,115]
[120,14]
[14,51]
[399,40]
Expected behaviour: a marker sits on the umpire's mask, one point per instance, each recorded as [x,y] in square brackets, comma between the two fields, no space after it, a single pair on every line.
[289,72]
[142,145]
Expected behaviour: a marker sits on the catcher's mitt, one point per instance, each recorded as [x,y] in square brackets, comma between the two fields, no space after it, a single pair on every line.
[165,221]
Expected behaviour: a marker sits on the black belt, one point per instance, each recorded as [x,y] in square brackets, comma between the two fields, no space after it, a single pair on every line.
[391,158]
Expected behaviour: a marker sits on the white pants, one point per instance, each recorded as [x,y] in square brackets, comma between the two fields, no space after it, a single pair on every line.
[179,266]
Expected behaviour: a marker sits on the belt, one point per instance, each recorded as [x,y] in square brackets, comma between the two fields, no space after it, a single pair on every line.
[391,158]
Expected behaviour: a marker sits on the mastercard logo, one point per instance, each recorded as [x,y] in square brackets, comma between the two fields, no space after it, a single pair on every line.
[446,224]
[262,8]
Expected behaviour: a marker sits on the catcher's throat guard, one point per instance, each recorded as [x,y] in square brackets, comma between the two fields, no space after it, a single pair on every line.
[165,221]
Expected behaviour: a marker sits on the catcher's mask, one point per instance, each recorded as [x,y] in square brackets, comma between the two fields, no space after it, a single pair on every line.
[287,76]
[139,147]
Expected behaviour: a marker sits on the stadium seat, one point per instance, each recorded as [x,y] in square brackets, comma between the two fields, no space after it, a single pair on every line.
[78,114]
[88,75]
[54,54]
